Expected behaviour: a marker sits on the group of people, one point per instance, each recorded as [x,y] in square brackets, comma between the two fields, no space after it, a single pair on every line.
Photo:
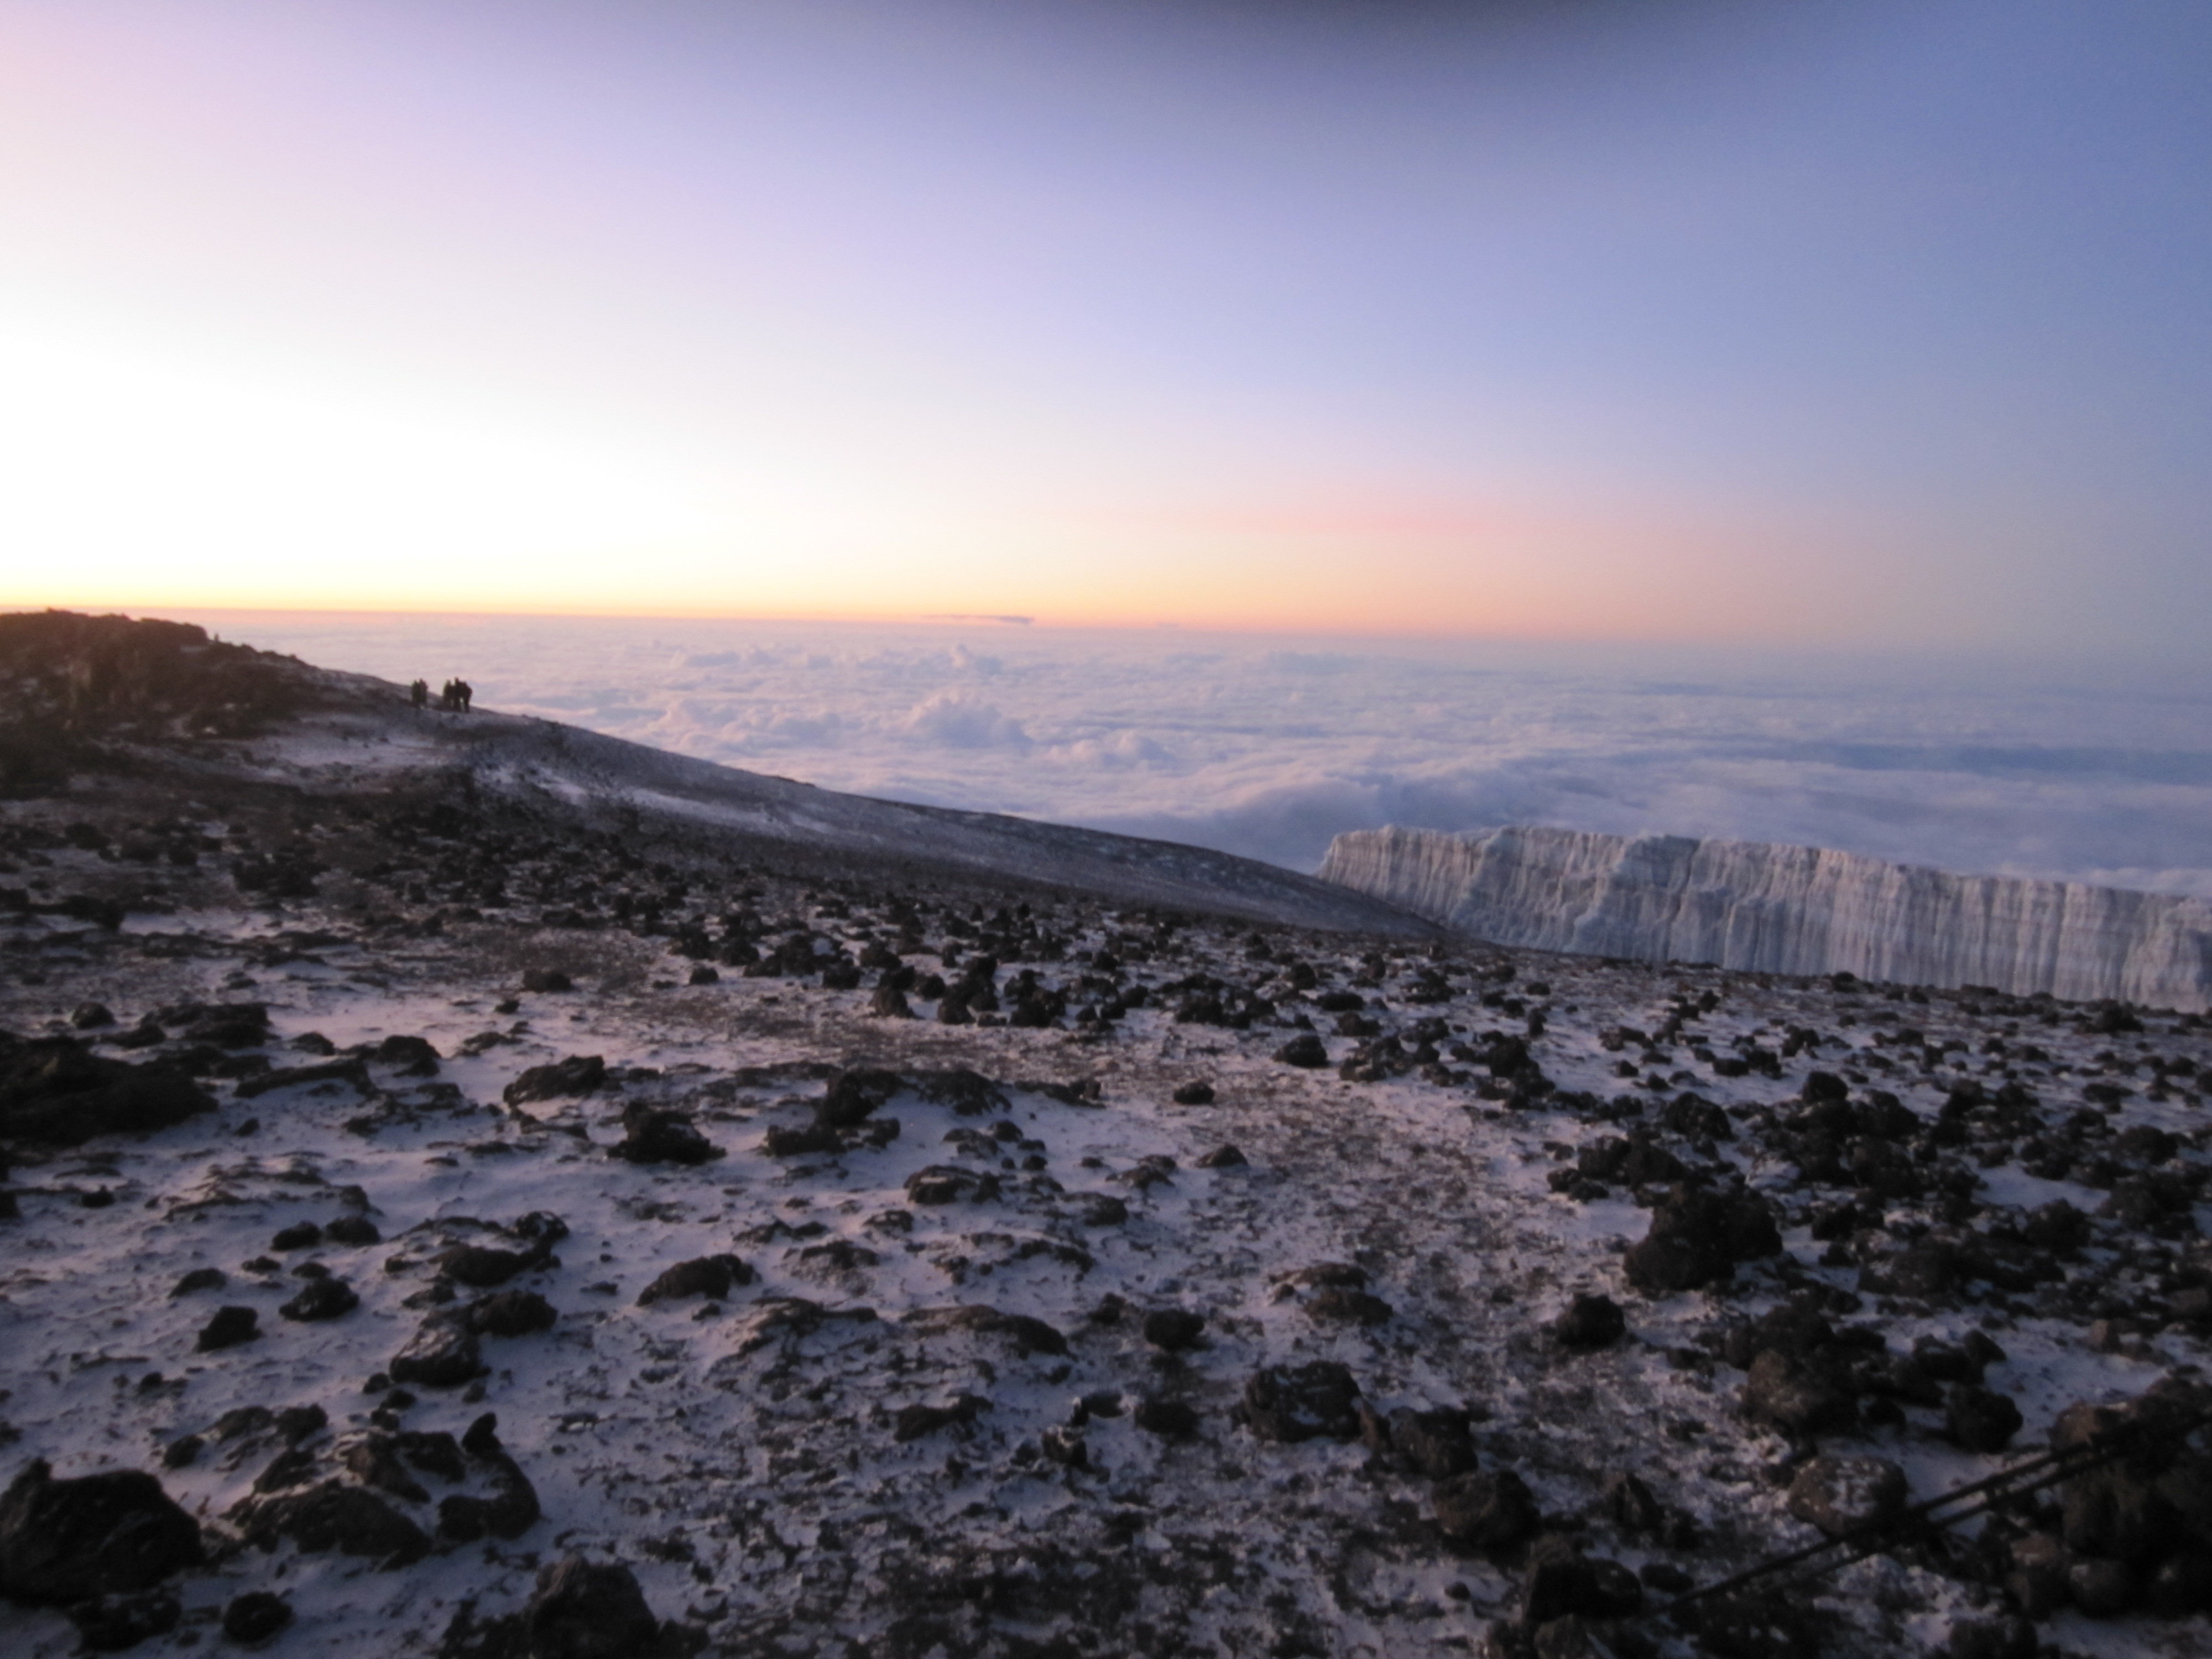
[454,699]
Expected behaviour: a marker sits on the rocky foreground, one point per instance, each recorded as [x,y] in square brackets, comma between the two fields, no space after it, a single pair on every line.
[446,1226]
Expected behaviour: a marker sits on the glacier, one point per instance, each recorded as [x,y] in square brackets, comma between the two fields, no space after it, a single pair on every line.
[1771,908]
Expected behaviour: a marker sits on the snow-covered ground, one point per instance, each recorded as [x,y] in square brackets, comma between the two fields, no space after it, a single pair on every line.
[744,1453]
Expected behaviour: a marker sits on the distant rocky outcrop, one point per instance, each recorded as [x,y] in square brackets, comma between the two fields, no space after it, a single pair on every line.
[1764,908]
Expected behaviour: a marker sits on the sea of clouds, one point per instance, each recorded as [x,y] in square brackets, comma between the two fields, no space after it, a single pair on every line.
[1268,747]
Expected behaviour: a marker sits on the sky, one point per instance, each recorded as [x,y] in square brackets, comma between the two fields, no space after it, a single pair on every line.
[1267,745]
[1845,325]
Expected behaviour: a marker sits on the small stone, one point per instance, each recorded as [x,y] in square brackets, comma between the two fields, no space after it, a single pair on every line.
[584,1611]
[1842,1495]
[231,1325]
[321,1299]
[1992,1638]
[200,1279]
[2103,1588]
[1590,1321]
[1339,1301]
[1485,1509]
[442,1354]
[710,1276]
[353,1230]
[1224,1157]
[1195,1094]
[1293,1403]
[1170,1418]
[112,1623]
[1981,1419]
[255,1617]
[1795,1396]
[509,1313]
[1305,1050]
[1173,1328]
[299,1236]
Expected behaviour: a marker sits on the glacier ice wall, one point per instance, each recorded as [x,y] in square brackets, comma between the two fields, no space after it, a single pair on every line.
[1780,909]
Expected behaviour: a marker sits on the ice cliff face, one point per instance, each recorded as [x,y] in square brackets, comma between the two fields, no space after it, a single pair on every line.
[1788,909]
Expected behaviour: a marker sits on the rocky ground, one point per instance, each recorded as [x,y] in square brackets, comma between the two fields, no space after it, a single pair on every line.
[436,1228]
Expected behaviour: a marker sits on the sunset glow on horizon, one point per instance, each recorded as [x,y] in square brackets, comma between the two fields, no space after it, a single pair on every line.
[1581,321]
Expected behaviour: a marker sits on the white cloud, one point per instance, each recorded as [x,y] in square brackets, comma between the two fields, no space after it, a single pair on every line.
[1268,748]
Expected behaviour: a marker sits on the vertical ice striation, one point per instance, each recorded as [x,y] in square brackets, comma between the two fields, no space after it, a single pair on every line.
[1787,910]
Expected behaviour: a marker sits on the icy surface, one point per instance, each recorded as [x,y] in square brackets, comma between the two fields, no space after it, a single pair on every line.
[1788,909]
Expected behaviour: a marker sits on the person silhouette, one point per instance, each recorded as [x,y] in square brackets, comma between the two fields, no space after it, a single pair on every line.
[419,694]
[465,693]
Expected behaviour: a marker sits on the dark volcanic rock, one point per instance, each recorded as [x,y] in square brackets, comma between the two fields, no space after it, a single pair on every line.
[442,1354]
[1193,1094]
[1559,1582]
[710,1276]
[1796,1395]
[481,1266]
[255,1617]
[1842,1495]
[334,1516]
[919,1419]
[231,1325]
[1302,1402]
[1485,1509]
[509,1313]
[1173,1328]
[110,1533]
[1697,1236]
[1980,1419]
[1224,1157]
[1590,1321]
[1435,1444]
[584,1611]
[1172,1419]
[1341,1302]
[1304,1050]
[652,1136]
[579,1074]
[115,1624]
[321,1299]
[1028,1335]
[55,1092]
[945,1183]
[853,1094]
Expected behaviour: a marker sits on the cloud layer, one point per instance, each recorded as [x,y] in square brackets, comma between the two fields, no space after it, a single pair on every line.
[1268,748]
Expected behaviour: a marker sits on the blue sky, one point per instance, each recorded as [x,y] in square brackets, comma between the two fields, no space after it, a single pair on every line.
[1871,325]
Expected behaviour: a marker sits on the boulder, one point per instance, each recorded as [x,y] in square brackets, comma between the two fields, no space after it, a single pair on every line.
[55,1092]
[1290,1403]
[652,1136]
[442,1354]
[709,1276]
[581,1610]
[111,1534]
[1485,1509]
[1796,1395]
[321,1299]
[1842,1495]
[1590,1321]
[577,1074]
[854,1094]
[1173,1329]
